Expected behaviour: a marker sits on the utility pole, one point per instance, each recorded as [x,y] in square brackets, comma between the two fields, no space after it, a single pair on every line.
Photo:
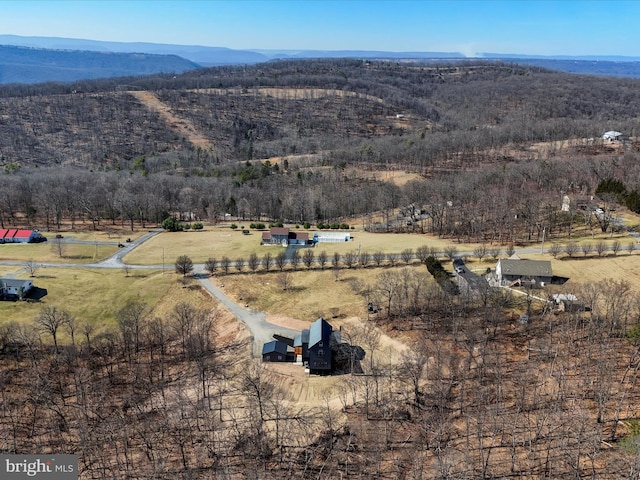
[544,230]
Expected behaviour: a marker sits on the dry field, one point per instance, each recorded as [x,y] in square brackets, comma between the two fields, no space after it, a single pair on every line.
[312,294]
[46,252]
[94,295]
[222,241]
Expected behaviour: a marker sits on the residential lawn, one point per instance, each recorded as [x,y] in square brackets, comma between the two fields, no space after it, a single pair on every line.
[92,295]
[45,252]
[592,269]
[313,294]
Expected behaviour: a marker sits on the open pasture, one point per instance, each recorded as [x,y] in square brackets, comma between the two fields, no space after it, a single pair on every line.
[92,295]
[47,252]
[222,241]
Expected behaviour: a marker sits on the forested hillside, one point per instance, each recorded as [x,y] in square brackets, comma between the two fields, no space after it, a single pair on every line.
[37,65]
[301,141]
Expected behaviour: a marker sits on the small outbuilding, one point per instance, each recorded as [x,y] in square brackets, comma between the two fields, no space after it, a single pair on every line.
[275,351]
[331,237]
[612,136]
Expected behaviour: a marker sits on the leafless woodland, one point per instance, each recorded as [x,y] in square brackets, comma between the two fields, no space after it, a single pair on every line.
[478,395]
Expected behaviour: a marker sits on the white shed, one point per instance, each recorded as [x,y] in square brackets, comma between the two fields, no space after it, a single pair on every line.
[612,136]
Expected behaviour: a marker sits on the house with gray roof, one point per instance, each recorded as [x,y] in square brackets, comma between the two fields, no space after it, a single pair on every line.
[319,348]
[511,271]
[275,351]
[12,288]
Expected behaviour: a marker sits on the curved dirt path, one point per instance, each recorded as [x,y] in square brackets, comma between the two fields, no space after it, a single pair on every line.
[182,125]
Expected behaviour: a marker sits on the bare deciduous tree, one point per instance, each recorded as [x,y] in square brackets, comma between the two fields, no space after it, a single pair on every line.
[586,248]
[422,252]
[364,258]
[266,261]
[285,280]
[407,255]
[307,258]
[615,247]
[281,260]
[32,267]
[480,251]
[184,265]
[253,262]
[451,252]
[350,258]
[59,246]
[571,248]
[294,260]
[49,320]
[239,264]
[211,265]
[322,259]
[225,264]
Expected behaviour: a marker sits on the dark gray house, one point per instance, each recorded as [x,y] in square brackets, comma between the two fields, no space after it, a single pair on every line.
[275,351]
[320,346]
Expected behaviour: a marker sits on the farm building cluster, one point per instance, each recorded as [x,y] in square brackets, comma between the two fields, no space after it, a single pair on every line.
[284,237]
[319,349]
[12,235]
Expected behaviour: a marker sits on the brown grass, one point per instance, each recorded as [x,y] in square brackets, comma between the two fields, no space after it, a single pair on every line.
[221,240]
[44,252]
[92,295]
[313,293]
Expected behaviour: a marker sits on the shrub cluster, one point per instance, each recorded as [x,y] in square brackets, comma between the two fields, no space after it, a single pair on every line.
[172,225]
[257,226]
[332,226]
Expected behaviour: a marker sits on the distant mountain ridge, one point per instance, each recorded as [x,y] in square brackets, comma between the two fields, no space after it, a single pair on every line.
[69,59]
[19,64]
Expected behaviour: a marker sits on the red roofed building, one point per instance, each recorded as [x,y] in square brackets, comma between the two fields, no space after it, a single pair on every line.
[12,235]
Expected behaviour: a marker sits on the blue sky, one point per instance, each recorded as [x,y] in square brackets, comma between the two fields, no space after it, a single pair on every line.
[540,27]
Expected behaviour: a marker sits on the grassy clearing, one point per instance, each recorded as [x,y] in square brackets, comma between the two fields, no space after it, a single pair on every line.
[45,252]
[222,241]
[92,295]
[580,271]
[313,293]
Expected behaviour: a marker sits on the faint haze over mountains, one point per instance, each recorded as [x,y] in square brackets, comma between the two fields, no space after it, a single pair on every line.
[44,59]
